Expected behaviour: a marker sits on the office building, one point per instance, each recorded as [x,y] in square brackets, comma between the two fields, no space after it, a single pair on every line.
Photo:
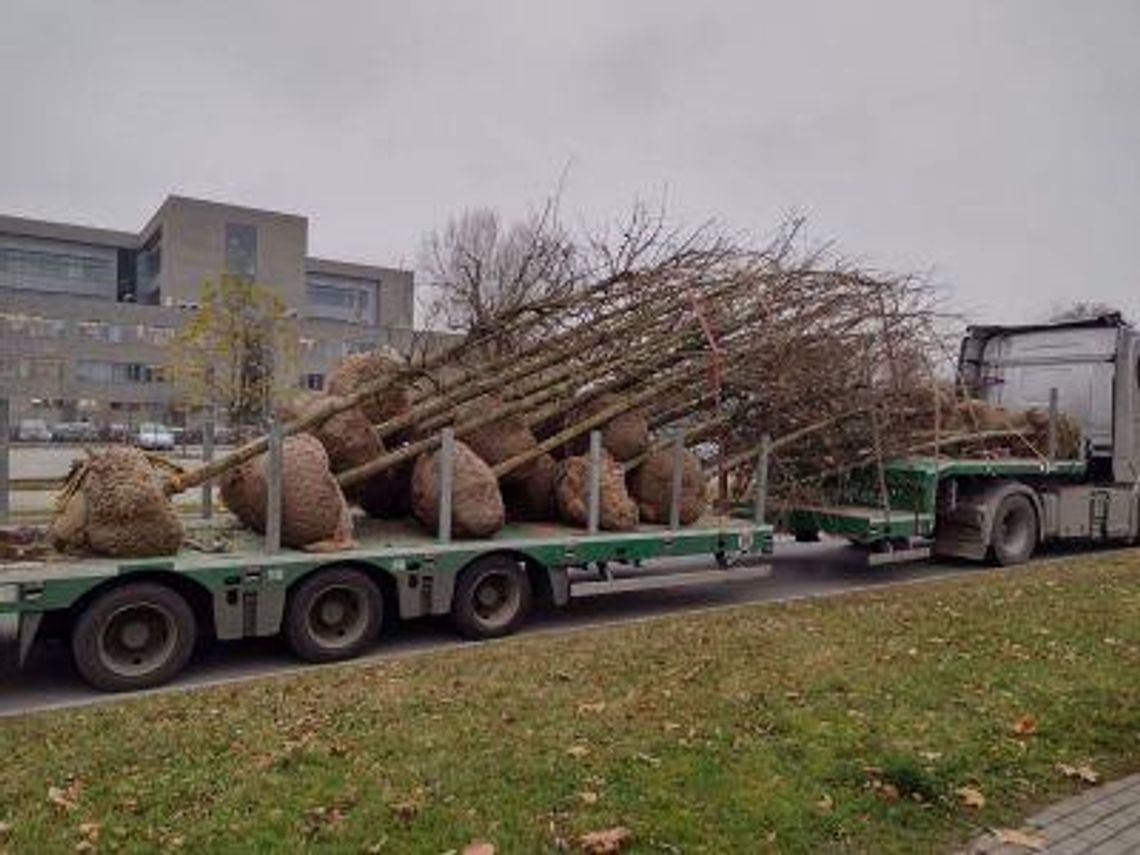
[86,313]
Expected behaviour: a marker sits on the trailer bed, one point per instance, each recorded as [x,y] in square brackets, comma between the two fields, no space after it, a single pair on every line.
[399,547]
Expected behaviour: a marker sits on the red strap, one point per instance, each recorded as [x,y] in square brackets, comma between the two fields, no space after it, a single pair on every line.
[716,363]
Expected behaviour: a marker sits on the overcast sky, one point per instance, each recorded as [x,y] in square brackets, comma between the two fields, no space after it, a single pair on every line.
[996,142]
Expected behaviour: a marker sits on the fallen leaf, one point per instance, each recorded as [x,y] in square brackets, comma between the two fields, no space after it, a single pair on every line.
[1025,726]
[971,797]
[588,797]
[597,707]
[1084,772]
[1020,838]
[84,846]
[5,831]
[605,842]
[889,793]
[577,751]
[64,799]
[825,803]
[479,847]
[90,830]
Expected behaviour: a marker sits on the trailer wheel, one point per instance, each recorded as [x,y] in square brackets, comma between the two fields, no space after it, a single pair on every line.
[492,598]
[133,637]
[1014,534]
[332,615]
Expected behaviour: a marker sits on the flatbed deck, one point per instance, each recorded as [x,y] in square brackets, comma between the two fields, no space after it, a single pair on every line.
[422,568]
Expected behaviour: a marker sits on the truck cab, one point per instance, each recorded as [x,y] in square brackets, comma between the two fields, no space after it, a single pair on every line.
[1094,366]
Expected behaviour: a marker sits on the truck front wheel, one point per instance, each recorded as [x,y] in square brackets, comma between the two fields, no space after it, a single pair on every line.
[133,637]
[492,598]
[1014,535]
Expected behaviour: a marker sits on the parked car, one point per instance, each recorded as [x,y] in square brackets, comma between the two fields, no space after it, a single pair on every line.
[155,437]
[32,430]
[74,432]
[115,432]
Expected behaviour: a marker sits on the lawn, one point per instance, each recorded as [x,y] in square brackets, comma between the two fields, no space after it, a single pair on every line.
[902,720]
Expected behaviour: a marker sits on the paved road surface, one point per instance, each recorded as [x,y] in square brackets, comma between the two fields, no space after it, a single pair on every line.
[800,570]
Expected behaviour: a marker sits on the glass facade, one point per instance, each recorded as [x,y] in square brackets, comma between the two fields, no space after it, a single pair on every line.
[39,264]
[241,250]
[105,371]
[342,298]
[148,267]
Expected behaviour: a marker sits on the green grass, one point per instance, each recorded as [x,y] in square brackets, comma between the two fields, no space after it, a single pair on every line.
[771,727]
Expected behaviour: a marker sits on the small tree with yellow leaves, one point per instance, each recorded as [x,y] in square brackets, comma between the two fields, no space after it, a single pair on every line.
[237,351]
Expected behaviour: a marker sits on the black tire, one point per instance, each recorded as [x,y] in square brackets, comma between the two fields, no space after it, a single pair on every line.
[1013,537]
[806,536]
[133,637]
[492,598]
[334,614]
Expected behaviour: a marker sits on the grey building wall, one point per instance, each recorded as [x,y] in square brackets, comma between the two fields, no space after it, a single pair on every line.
[193,240]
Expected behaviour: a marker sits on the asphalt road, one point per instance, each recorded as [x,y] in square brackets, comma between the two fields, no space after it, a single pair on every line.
[799,570]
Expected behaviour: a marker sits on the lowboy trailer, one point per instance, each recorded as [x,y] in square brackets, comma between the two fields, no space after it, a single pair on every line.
[134,624]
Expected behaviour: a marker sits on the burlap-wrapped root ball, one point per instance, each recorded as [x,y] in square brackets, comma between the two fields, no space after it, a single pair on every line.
[499,440]
[616,512]
[532,497]
[313,509]
[624,436]
[348,437]
[357,369]
[476,503]
[119,510]
[651,484]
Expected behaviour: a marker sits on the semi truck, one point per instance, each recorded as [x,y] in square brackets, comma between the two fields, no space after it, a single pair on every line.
[1004,508]
[134,624]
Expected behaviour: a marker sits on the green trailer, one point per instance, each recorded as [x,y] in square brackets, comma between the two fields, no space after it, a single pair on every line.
[960,507]
[134,624]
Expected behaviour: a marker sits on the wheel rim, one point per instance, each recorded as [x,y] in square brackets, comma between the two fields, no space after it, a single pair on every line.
[496,599]
[138,639]
[338,616]
[1014,530]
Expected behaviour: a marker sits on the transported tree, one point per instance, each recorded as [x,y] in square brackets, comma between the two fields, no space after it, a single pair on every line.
[237,351]
[483,270]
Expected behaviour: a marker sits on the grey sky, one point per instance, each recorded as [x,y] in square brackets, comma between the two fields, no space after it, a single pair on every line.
[997,142]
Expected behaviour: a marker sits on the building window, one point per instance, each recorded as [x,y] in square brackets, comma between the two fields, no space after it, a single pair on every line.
[342,298]
[156,335]
[32,326]
[93,371]
[14,368]
[94,330]
[39,264]
[241,250]
[46,370]
[313,382]
[148,267]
